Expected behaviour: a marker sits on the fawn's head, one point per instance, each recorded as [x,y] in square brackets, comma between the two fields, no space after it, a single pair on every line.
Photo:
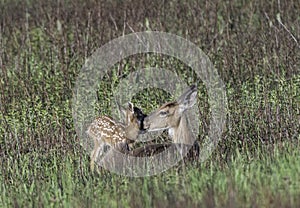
[134,120]
[169,114]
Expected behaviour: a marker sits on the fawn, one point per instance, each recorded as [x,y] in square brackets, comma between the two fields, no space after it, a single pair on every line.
[106,131]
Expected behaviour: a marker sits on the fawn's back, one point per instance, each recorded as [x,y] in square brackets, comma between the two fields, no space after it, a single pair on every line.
[109,131]
[106,129]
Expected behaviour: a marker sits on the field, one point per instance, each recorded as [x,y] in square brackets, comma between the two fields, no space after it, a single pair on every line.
[255,47]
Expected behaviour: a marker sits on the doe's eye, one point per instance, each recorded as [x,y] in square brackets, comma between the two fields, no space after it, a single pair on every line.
[163,113]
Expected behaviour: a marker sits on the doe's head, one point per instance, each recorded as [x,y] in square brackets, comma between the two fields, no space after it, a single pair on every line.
[169,114]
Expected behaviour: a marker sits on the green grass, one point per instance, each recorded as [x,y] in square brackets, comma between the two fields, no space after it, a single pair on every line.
[56,180]
[44,44]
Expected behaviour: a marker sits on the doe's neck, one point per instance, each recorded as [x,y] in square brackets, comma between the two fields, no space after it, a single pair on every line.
[182,133]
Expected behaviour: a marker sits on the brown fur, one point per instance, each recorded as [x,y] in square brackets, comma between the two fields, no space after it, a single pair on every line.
[171,116]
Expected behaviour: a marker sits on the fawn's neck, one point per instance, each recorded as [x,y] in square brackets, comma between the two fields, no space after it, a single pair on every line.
[131,132]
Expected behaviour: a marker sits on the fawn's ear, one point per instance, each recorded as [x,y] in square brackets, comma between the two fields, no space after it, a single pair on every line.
[126,112]
[187,99]
[130,107]
[122,110]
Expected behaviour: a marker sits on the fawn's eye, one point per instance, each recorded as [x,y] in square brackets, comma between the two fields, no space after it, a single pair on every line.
[163,113]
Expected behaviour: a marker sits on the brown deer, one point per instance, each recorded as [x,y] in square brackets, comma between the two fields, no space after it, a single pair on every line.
[106,131]
[171,116]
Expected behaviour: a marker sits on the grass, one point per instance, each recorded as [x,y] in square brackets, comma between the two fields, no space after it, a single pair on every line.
[52,180]
[43,47]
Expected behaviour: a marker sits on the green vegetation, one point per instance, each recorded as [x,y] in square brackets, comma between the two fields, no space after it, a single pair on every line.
[253,44]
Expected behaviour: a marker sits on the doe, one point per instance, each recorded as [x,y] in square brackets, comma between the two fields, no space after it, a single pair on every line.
[171,116]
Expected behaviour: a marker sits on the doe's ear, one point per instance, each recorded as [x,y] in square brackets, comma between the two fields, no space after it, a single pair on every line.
[188,99]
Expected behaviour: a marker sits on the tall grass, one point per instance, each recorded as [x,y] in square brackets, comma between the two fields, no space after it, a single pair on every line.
[44,45]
